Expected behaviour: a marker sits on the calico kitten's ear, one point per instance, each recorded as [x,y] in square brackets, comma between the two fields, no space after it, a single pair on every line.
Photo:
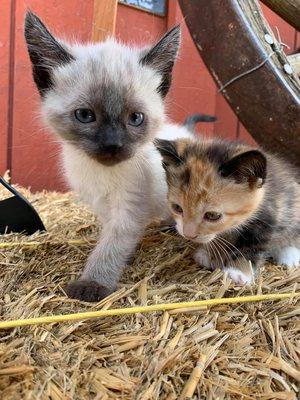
[44,50]
[162,57]
[250,166]
[168,150]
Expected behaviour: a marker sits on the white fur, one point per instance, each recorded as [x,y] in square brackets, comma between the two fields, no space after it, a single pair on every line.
[289,256]
[125,197]
[202,258]
[128,195]
[239,277]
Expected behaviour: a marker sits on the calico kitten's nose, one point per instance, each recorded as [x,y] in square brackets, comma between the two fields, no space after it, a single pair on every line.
[190,237]
[190,230]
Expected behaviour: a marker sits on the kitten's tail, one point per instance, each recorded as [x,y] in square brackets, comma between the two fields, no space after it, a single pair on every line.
[192,120]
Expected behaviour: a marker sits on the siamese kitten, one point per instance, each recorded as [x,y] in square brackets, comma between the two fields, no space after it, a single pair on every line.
[240,204]
[105,102]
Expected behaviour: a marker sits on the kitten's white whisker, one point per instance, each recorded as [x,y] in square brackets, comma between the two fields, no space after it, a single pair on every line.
[219,255]
[213,252]
[229,244]
[222,246]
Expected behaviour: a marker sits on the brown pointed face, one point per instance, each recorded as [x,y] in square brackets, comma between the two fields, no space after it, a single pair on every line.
[205,203]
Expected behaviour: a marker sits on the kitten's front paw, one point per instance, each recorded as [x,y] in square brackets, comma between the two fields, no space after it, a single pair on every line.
[86,290]
[289,256]
[239,277]
[202,258]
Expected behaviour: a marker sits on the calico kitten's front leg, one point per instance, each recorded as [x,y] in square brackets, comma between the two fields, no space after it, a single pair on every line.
[238,268]
[118,241]
[242,262]
[203,258]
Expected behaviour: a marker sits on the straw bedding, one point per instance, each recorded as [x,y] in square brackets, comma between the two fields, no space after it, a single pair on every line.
[248,351]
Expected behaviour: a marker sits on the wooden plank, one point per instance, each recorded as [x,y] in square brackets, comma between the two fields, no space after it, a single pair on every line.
[5,19]
[136,27]
[289,10]
[227,122]
[282,31]
[226,125]
[260,95]
[193,89]
[104,19]
[244,135]
[35,156]
[286,34]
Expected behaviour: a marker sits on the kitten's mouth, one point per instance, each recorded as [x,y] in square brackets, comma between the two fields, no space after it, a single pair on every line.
[110,160]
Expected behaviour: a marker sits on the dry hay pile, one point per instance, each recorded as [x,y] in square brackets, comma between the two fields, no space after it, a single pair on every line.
[251,351]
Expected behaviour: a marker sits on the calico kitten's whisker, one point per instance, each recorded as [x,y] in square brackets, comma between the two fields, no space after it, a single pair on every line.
[227,255]
[219,255]
[222,246]
[231,247]
[213,252]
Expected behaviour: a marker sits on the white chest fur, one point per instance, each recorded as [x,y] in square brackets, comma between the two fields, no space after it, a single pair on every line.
[107,188]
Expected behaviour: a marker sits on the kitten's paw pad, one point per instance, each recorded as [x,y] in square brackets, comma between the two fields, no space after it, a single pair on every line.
[289,256]
[203,259]
[85,290]
[239,277]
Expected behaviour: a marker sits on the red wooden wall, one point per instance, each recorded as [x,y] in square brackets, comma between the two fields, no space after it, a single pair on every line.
[27,149]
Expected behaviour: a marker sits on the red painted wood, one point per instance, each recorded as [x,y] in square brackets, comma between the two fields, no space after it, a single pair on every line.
[34,155]
[35,161]
[4,81]
[193,89]
[227,123]
[136,26]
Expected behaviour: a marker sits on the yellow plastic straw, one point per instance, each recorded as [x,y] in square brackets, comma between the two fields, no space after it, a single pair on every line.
[144,309]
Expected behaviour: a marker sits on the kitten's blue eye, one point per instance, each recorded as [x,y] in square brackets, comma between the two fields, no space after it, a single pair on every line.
[136,119]
[212,216]
[85,115]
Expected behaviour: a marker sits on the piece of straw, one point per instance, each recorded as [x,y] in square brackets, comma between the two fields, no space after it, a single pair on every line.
[191,384]
[17,370]
[74,242]
[143,309]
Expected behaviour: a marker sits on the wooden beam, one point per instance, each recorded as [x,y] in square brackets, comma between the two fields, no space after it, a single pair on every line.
[250,75]
[104,19]
[289,10]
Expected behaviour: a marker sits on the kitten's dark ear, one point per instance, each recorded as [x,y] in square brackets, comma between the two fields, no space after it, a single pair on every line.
[162,57]
[250,166]
[168,150]
[44,50]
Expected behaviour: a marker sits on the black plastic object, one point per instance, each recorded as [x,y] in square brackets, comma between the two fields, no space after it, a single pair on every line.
[17,214]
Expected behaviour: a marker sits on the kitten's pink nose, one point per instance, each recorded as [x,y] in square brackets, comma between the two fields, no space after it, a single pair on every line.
[190,230]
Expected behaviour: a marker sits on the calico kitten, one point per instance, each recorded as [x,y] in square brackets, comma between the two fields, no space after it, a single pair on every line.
[105,102]
[240,204]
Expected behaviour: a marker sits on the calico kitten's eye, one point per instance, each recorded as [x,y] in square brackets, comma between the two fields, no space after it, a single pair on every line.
[136,119]
[212,216]
[85,115]
[176,208]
